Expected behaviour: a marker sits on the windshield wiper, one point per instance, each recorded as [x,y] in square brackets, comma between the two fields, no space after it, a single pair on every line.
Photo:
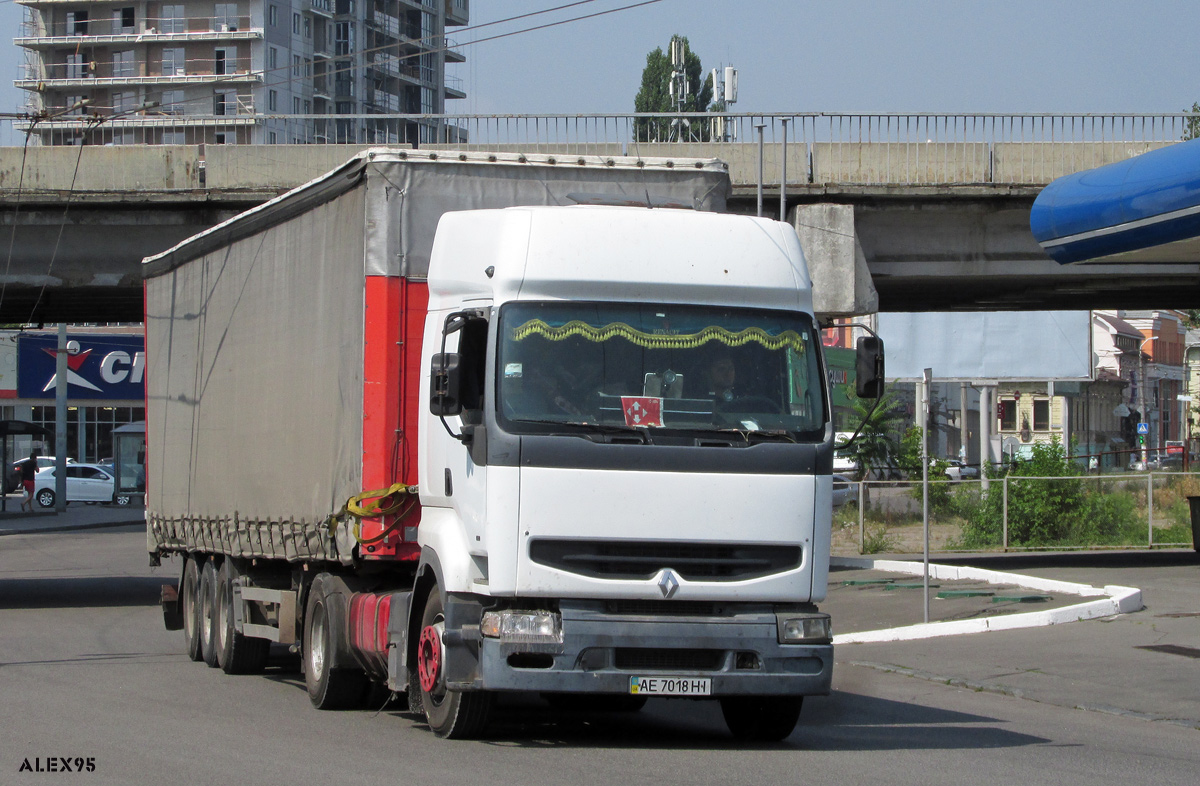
[584,429]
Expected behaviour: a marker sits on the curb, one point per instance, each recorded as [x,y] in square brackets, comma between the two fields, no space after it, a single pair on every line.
[72,527]
[1113,600]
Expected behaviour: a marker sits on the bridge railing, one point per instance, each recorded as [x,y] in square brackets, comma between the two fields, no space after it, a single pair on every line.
[820,148]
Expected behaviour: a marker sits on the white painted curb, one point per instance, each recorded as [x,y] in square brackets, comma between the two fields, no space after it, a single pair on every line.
[1113,600]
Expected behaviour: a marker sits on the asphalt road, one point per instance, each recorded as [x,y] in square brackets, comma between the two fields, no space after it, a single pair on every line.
[86,671]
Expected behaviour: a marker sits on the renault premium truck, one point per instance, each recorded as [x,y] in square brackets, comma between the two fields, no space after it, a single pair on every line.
[464,424]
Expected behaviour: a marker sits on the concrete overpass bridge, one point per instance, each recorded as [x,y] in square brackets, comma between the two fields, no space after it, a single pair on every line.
[934,207]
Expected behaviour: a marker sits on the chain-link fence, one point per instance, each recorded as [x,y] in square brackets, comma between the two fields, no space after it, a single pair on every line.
[1129,510]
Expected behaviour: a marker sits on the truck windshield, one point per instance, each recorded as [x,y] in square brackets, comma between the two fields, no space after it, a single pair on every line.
[659,367]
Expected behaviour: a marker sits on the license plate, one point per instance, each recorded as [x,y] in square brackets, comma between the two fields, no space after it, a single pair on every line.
[670,686]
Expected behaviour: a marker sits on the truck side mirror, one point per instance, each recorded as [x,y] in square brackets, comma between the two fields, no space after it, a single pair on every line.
[868,367]
[445,383]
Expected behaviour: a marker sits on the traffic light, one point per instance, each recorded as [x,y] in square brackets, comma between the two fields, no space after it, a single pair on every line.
[1141,439]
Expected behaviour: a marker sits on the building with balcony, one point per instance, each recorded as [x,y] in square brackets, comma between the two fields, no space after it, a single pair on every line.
[245,71]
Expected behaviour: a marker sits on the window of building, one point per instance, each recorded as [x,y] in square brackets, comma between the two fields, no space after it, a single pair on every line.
[427,101]
[1041,414]
[72,101]
[273,15]
[124,101]
[272,138]
[77,23]
[225,60]
[1008,414]
[295,24]
[343,38]
[225,17]
[89,429]
[225,102]
[123,20]
[124,63]
[307,27]
[297,66]
[173,19]
[272,58]
[272,101]
[172,102]
[223,139]
[173,62]
[76,68]
[307,107]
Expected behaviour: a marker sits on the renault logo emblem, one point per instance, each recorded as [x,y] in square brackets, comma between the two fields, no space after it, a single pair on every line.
[668,583]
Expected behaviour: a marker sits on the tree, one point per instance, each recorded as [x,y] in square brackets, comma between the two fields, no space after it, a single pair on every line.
[655,96]
[1191,125]
[875,447]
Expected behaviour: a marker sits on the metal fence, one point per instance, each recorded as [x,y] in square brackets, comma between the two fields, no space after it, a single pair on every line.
[915,148]
[1122,510]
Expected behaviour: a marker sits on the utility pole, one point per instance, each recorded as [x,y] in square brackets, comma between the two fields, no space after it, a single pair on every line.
[1142,418]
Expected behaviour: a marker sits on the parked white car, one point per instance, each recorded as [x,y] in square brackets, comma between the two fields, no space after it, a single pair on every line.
[85,483]
[844,490]
[960,471]
[13,481]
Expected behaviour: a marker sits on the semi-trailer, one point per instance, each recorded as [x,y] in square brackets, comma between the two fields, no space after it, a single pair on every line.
[464,424]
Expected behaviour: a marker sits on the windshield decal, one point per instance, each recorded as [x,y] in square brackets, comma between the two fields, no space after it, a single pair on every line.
[536,327]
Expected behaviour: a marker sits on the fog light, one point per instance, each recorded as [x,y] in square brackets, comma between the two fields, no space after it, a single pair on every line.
[809,629]
[522,627]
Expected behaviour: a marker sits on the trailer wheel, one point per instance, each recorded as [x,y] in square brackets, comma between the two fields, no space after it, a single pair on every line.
[190,598]
[207,613]
[236,652]
[761,718]
[329,688]
[450,713]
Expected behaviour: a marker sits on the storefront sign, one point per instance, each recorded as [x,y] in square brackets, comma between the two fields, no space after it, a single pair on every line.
[98,367]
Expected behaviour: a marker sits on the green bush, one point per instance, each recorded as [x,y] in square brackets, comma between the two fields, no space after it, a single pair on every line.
[1062,511]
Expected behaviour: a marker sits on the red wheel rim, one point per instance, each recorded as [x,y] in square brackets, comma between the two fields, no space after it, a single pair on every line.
[429,658]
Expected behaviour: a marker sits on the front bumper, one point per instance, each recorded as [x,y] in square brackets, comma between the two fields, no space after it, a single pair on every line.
[601,651]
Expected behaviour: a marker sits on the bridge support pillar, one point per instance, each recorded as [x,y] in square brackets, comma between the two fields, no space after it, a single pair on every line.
[842,285]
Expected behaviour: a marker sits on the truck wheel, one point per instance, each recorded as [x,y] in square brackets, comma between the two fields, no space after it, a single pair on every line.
[450,713]
[236,652]
[761,718]
[190,598]
[329,688]
[207,613]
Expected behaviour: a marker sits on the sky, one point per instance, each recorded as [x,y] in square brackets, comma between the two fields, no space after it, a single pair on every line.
[952,56]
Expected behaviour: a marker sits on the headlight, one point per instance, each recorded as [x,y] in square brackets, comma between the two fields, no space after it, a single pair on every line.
[522,627]
[806,629]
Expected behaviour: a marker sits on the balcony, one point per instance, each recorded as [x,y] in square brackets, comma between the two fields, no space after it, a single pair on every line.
[452,53]
[453,88]
[148,30]
[49,76]
[320,7]
[384,23]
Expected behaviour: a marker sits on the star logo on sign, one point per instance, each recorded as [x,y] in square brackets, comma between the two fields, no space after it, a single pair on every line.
[74,363]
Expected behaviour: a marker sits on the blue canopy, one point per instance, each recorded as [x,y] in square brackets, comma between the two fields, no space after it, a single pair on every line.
[1139,203]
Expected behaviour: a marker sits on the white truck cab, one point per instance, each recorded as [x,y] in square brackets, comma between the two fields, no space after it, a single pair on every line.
[625,468]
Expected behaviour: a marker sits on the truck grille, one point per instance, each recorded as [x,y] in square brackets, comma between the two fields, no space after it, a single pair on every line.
[639,559]
[642,659]
[658,608]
